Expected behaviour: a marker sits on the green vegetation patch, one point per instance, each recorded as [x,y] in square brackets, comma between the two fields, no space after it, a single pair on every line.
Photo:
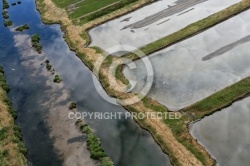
[23,27]
[7,23]
[35,39]
[94,145]
[5,15]
[72,105]
[220,99]
[57,79]
[5,4]
[106,161]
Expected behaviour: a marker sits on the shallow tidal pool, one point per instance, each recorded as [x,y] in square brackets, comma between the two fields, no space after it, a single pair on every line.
[226,134]
[154,21]
[199,66]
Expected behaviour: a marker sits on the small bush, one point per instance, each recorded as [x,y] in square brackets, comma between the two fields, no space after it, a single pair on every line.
[106,161]
[48,66]
[5,5]
[7,23]
[78,121]
[72,106]
[19,2]
[4,12]
[57,79]
[35,39]
[5,16]
[86,130]
[22,148]
[13,4]
[82,126]
[5,152]
[23,27]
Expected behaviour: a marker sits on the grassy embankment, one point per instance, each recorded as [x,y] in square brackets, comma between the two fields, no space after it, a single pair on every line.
[94,145]
[12,150]
[178,127]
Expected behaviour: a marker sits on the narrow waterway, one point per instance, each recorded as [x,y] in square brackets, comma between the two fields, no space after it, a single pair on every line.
[226,134]
[42,105]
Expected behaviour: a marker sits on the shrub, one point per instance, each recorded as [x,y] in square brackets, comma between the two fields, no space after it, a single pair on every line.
[13,4]
[7,23]
[82,126]
[4,12]
[22,148]
[106,161]
[35,39]
[5,5]
[19,2]
[57,79]
[5,16]
[94,146]
[78,121]
[5,152]
[86,130]
[1,70]
[22,28]
[72,105]
[48,66]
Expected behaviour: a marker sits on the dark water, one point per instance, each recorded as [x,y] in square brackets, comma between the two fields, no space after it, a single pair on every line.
[123,140]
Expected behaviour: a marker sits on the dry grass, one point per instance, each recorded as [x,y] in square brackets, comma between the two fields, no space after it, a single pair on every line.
[11,149]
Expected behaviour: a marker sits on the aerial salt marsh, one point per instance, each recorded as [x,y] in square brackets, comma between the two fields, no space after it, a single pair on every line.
[198,67]
[154,21]
[42,106]
[226,135]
